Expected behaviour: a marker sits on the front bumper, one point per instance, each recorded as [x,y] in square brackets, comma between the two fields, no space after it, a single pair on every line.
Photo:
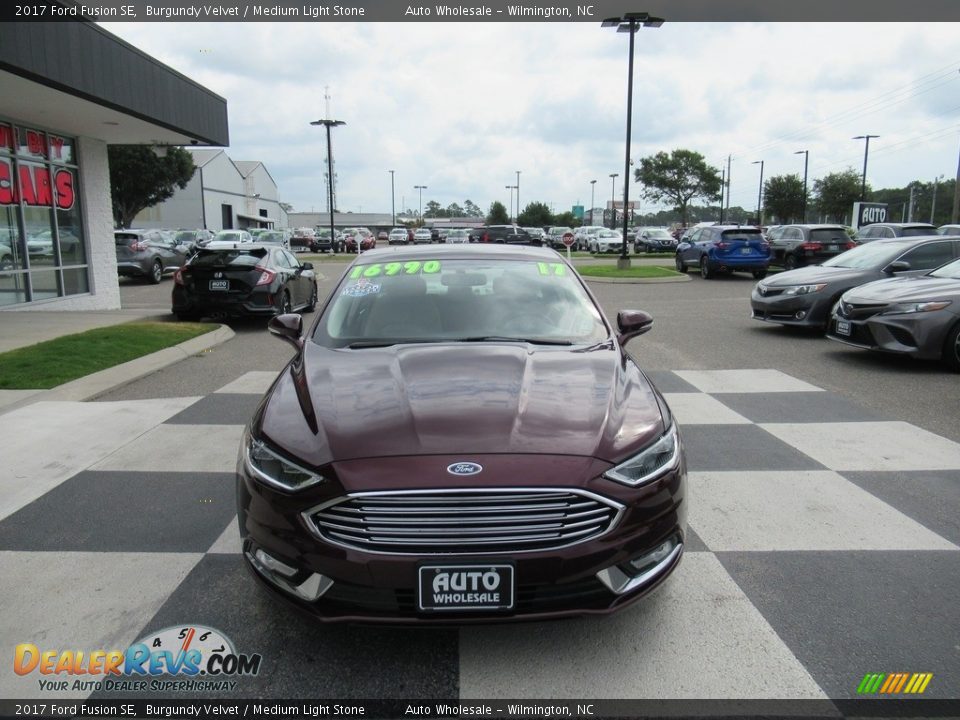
[811,310]
[357,585]
[918,335]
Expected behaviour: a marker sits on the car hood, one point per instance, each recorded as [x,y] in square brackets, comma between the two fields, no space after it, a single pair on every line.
[906,289]
[818,274]
[464,398]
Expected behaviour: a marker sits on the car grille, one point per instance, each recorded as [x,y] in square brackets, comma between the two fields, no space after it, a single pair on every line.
[859,311]
[767,291]
[464,522]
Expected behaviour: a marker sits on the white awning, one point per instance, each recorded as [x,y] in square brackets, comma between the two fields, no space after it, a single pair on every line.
[257,218]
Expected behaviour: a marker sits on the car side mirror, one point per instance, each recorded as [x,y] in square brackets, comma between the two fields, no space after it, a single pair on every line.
[288,327]
[897,266]
[631,324]
[307,265]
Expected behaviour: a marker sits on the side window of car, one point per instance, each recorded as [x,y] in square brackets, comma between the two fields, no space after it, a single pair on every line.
[280,258]
[929,256]
[886,233]
[291,260]
[694,236]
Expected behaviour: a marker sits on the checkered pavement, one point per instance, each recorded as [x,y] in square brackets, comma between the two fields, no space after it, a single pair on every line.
[823,545]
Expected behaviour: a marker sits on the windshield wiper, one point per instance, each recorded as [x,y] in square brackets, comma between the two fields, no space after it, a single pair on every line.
[505,338]
[360,344]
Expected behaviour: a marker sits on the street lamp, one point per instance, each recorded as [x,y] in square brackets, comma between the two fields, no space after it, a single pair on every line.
[393,199]
[759,194]
[806,161]
[518,195]
[511,188]
[420,188]
[329,124]
[866,150]
[613,200]
[629,23]
[593,185]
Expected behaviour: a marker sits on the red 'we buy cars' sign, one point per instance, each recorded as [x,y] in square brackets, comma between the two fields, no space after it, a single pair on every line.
[35,185]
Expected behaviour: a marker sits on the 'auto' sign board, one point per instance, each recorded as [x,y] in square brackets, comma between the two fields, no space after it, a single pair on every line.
[865,213]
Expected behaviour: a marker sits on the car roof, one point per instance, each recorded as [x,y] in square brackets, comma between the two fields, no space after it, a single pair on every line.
[900,225]
[814,226]
[460,252]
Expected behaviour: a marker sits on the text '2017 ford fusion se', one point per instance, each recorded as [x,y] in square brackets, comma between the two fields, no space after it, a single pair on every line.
[461,437]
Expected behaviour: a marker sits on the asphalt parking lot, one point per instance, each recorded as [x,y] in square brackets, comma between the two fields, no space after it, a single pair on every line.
[824,539]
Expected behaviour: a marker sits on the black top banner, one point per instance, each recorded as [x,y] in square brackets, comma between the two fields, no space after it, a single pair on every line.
[857,11]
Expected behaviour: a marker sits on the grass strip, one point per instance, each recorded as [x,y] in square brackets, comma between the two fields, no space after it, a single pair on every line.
[637,271]
[54,362]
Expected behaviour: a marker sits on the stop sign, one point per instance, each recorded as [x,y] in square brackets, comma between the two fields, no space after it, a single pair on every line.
[568,239]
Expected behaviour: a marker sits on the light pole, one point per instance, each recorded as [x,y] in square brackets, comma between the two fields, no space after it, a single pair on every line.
[759,194]
[420,188]
[518,195]
[806,161]
[613,200]
[329,124]
[629,23]
[510,212]
[933,201]
[393,199]
[866,151]
[593,185]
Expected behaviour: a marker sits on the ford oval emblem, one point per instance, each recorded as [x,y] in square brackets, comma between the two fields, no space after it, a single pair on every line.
[464,468]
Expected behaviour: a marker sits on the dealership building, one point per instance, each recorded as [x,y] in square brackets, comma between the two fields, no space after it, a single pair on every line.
[70,89]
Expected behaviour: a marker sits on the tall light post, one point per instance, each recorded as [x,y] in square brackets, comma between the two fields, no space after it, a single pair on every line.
[866,151]
[806,161]
[629,23]
[759,194]
[613,200]
[518,195]
[933,201]
[510,211]
[420,188]
[593,185]
[329,124]
[393,199]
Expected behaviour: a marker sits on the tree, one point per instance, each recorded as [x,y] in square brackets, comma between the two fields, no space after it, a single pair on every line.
[433,209]
[535,214]
[678,178]
[567,219]
[454,210]
[471,210]
[498,214]
[783,198]
[139,178]
[837,192]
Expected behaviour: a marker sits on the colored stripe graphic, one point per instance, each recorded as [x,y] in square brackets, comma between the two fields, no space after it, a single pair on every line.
[894,683]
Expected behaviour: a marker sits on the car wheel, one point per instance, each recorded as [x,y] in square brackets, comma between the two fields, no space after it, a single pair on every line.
[759,274]
[156,272]
[285,307]
[790,262]
[681,265]
[951,349]
[705,271]
[313,300]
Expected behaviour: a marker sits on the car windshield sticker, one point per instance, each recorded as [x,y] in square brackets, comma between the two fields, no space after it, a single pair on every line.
[361,289]
[552,268]
[394,268]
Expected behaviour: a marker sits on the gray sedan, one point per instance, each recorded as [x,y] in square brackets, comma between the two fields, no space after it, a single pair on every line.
[804,297]
[917,316]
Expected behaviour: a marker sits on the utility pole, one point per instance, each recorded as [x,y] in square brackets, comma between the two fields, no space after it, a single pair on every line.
[910,210]
[728,182]
[723,184]
[933,201]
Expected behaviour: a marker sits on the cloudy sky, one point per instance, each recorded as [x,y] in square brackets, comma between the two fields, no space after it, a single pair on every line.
[461,107]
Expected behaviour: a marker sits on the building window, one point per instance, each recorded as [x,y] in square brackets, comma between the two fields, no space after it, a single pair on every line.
[43,253]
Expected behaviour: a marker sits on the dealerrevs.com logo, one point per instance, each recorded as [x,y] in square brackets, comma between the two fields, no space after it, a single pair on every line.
[191,658]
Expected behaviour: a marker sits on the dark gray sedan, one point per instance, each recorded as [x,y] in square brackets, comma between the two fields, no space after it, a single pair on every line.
[804,297]
[917,316]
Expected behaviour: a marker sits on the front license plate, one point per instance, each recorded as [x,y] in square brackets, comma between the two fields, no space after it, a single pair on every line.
[443,588]
[843,327]
[220,285]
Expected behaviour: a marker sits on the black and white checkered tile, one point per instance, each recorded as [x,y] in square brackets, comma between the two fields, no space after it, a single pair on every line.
[824,545]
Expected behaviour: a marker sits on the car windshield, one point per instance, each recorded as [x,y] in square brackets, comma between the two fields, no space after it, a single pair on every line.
[950,270]
[228,236]
[229,258]
[918,231]
[187,236]
[271,237]
[459,300]
[659,234]
[871,255]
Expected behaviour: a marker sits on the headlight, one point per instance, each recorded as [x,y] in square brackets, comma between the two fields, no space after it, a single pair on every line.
[804,289]
[650,463]
[905,308]
[267,466]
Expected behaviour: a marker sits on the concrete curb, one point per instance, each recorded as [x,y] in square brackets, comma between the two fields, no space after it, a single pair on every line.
[98,383]
[635,281]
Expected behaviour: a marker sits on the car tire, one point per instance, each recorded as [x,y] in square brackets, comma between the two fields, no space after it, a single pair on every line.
[681,265]
[285,307]
[312,305]
[706,272]
[156,273]
[759,274]
[951,349]
[790,262]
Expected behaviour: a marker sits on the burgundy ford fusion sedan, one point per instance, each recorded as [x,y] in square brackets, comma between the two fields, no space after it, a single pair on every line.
[461,437]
